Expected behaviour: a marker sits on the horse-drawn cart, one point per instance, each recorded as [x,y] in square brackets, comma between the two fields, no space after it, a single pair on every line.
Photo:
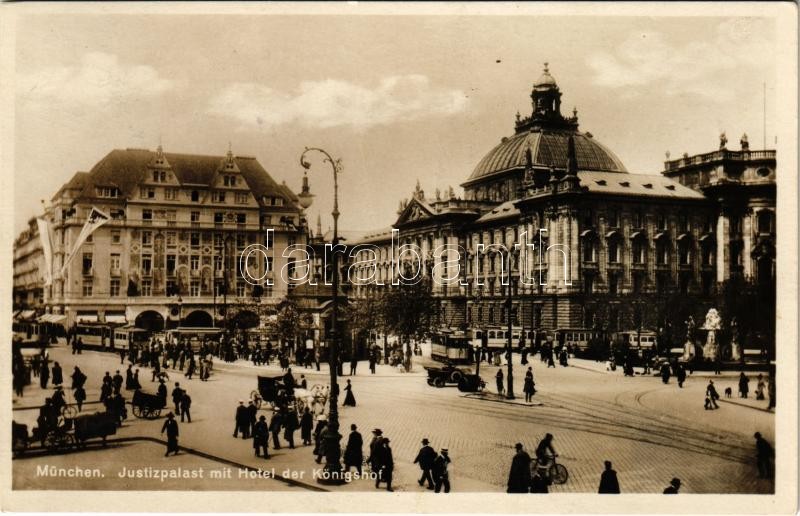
[272,390]
[65,433]
[147,406]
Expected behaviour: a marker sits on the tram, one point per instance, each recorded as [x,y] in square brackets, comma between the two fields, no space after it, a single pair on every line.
[451,346]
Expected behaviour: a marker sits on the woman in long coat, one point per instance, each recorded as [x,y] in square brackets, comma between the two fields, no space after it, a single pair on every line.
[353,453]
[349,399]
[319,448]
[58,376]
[519,478]
[306,425]
[528,388]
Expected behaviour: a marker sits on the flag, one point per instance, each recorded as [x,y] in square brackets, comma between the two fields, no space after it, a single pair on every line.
[47,248]
[95,219]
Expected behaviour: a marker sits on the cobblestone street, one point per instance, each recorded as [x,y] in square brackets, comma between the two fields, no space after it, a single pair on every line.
[650,431]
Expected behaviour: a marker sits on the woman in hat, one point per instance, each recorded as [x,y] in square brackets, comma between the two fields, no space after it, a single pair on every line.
[319,443]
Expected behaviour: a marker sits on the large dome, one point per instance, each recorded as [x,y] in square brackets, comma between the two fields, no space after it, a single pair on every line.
[548,149]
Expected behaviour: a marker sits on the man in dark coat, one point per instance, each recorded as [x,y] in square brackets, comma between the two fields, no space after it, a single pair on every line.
[129,378]
[261,437]
[519,478]
[275,425]
[425,459]
[764,454]
[290,425]
[44,375]
[386,462]
[78,378]
[177,393]
[353,453]
[711,396]
[288,381]
[116,381]
[440,474]
[374,446]
[674,486]
[185,405]
[608,481]
[252,411]
[665,372]
[171,427]
[306,425]
[241,419]
[680,375]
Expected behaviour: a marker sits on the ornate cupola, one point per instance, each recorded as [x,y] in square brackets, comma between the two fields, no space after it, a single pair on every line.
[546,103]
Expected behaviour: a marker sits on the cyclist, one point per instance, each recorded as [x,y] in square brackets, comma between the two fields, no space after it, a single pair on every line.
[545,453]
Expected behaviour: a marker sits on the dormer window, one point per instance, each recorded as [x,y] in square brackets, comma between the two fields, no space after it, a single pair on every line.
[159,176]
[277,201]
[229,180]
[670,187]
[626,184]
[217,196]
[110,192]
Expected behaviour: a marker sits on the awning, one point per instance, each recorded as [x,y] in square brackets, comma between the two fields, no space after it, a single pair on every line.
[116,318]
[26,314]
[587,232]
[612,233]
[637,234]
[707,236]
[52,318]
[660,235]
[85,318]
[15,314]
[683,236]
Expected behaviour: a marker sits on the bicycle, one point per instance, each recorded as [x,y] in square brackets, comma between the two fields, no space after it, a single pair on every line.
[553,471]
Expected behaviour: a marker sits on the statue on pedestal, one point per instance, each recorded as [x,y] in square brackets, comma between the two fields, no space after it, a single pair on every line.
[688,347]
[736,348]
[712,325]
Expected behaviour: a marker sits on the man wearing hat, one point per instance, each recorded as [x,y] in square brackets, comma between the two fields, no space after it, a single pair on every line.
[385,463]
[171,427]
[674,486]
[519,478]
[425,459]
[440,473]
[261,437]
[374,445]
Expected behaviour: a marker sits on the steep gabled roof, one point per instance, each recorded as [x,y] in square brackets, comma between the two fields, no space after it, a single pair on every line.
[126,168]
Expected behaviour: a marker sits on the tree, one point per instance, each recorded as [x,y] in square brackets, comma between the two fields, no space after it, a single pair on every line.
[363,316]
[288,322]
[409,310]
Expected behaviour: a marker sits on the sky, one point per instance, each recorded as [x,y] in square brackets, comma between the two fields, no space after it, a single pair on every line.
[397,98]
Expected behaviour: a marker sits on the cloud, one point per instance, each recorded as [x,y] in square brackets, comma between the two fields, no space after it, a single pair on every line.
[336,103]
[701,68]
[98,79]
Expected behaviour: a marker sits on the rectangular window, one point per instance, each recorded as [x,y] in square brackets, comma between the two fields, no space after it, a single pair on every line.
[194,288]
[147,238]
[241,218]
[172,239]
[113,288]
[266,220]
[662,222]
[218,196]
[107,192]
[613,281]
[194,262]
[194,239]
[638,219]
[171,261]
[241,241]
[147,217]
[87,263]
[115,262]
[241,197]
[277,201]
[87,288]
[171,194]
[147,193]
[217,263]
[219,217]
[240,289]
[684,225]
[116,236]
[159,176]
[147,288]
[195,196]
[195,216]
[147,263]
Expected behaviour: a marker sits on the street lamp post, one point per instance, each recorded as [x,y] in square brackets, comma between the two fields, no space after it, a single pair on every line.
[332,436]
[509,344]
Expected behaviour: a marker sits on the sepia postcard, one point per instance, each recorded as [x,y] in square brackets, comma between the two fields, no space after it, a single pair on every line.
[384,257]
